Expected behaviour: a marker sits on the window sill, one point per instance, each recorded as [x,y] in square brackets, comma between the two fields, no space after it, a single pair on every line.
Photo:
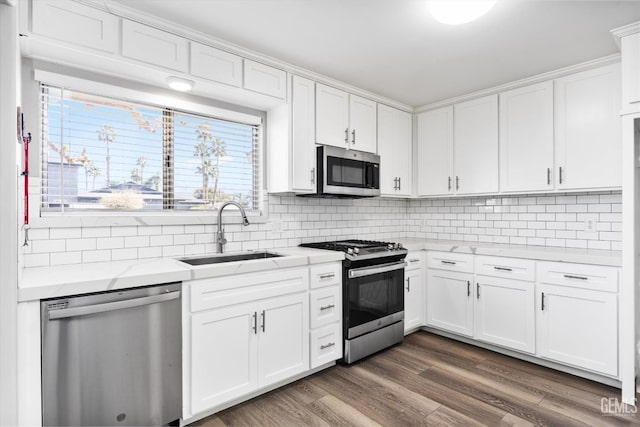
[84,219]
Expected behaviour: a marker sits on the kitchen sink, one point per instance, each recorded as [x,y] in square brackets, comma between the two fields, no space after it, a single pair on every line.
[218,259]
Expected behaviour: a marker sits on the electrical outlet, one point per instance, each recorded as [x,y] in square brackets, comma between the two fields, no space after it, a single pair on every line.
[590,226]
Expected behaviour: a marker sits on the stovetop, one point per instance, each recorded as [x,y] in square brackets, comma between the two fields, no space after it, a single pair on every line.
[360,249]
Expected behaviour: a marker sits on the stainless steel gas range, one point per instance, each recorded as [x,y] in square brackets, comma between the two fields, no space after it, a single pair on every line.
[373,295]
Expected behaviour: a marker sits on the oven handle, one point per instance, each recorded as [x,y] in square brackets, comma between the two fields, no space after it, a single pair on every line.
[383,268]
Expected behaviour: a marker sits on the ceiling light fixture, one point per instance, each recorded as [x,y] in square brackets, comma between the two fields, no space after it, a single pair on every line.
[456,12]
[180,84]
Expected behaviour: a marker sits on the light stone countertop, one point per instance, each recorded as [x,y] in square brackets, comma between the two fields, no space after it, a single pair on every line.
[59,281]
[64,280]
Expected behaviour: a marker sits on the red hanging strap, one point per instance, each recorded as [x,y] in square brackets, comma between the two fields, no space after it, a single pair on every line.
[26,141]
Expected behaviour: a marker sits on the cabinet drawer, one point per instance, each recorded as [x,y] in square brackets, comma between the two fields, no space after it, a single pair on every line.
[154,47]
[450,261]
[326,306]
[583,276]
[66,20]
[228,290]
[326,275]
[415,260]
[264,79]
[216,65]
[511,268]
[326,345]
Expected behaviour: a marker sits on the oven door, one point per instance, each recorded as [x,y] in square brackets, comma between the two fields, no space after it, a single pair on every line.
[374,297]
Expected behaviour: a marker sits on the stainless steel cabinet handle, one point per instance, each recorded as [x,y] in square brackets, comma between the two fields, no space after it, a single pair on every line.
[327,307]
[395,183]
[548,176]
[502,268]
[313,175]
[457,183]
[111,306]
[477,290]
[408,284]
[560,175]
[264,319]
[468,288]
[414,260]
[399,183]
[353,136]
[327,276]
[449,185]
[448,262]
[571,276]
[331,344]
[255,322]
[542,302]
[346,136]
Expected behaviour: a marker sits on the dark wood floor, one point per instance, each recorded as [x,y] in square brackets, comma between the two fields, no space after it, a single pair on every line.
[434,381]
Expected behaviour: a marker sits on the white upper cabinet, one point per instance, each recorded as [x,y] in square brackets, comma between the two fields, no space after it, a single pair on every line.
[216,65]
[155,47]
[65,20]
[630,46]
[344,120]
[434,165]
[303,132]
[362,124]
[265,79]
[526,138]
[332,116]
[476,146]
[587,129]
[394,148]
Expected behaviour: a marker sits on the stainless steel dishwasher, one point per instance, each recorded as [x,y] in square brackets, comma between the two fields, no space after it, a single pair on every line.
[112,358]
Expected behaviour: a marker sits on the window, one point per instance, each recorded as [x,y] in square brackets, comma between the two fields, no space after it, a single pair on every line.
[110,154]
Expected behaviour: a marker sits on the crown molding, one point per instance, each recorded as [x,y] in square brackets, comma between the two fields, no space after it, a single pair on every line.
[624,31]
[538,78]
[127,12]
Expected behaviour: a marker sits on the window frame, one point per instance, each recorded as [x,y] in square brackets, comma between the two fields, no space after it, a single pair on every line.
[100,218]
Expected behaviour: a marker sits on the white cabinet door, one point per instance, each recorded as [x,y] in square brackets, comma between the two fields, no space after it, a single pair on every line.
[394,148]
[505,313]
[630,47]
[332,116]
[265,79]
[76,23]
[413,299]
[303,147]
[223,356]
[283,338]
[578,327]
[434,165]
[153,46]
[475,145]
[587,129]
[216,65]
[362,124]
[449,301]
[526,138]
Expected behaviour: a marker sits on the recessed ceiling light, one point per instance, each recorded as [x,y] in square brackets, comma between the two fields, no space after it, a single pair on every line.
[456,12]
[180,84]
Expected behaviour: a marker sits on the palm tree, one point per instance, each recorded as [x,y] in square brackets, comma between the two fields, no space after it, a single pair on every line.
[142,162]
[136,176]
[85,161]
[108,135]
[203,151]
[95,172]
[219,151]
[154,182]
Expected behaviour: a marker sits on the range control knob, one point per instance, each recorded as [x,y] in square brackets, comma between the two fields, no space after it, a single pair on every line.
[400,246]
[390,246]
[356,251]
[350,251]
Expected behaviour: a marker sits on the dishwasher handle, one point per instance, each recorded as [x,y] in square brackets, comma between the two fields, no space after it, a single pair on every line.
[64,313]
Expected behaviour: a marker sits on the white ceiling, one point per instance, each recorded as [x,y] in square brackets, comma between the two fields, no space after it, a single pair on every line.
[394,48]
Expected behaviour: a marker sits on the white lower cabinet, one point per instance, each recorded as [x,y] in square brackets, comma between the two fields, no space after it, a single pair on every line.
[238,349]
[326,344]
[414,292]
[449,301]
[578,327]
[325,300]
[505,313]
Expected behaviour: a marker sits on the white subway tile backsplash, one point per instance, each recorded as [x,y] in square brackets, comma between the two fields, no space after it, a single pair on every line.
[87,244]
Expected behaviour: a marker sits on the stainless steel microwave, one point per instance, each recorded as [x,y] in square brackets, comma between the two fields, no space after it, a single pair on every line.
[347,173]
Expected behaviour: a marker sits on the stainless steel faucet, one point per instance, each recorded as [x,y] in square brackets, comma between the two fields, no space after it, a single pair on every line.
[220,239]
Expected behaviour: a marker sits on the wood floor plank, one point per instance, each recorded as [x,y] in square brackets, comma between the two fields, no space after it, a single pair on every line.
[337,413]
[430,380]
